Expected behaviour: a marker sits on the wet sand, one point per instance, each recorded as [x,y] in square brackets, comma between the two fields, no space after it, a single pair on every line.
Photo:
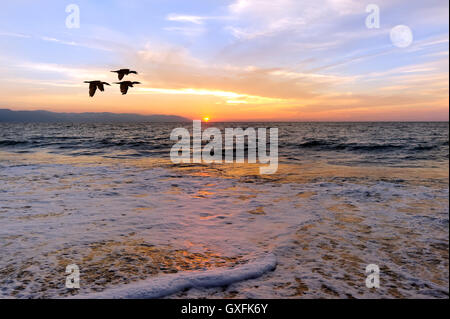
[123,221]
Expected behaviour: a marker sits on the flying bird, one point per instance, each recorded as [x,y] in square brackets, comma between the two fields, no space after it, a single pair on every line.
[122,72]
[124,85]
[93,85]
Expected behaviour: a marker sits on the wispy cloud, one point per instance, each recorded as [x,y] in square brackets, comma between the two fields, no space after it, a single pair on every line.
[257,18]
[229,97]
[13,34]
[175,67]
[272,59]
[68,72]
[194,19]
[90,44]
[186,18]
[48,39]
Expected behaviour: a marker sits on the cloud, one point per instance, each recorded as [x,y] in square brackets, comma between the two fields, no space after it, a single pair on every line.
[194,18]
[229,97]
[13,34]
[48,39]
[186,18]
[68,72]
[284,58]
[266,17]
[86,44]
[172,70]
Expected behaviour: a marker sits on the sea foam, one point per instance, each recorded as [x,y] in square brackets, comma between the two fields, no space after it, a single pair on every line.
[165,285]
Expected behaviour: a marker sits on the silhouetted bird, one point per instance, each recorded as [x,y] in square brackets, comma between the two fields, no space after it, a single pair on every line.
[124,85]
[93,85]
[122,72]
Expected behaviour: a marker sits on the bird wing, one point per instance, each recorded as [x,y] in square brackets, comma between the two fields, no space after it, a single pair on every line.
[121,75]
[124,88]
[101,87]
[92,89]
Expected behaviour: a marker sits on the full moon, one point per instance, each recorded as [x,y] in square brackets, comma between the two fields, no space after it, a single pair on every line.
[401,36]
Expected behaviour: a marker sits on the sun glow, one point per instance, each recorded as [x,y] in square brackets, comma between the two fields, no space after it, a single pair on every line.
[205,119]
[229,97]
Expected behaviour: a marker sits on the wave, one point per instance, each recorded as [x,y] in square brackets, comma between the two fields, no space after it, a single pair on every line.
[381,143]
[161,286]
[362,147]
[12,143]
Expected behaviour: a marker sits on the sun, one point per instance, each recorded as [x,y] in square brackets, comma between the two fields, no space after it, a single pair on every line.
[205,119]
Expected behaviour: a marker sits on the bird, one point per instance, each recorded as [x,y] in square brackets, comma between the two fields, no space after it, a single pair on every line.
[93,85]
[124,85]
[122,72]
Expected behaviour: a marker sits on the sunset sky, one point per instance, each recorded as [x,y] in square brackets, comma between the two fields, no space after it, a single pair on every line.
[229,60]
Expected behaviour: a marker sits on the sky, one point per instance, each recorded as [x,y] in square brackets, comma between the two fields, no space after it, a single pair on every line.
[236,60]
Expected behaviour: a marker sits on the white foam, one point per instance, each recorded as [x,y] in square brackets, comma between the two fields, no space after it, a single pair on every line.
[165,285]
[50,210]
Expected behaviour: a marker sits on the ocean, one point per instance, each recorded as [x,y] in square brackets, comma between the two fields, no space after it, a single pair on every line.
[107,198]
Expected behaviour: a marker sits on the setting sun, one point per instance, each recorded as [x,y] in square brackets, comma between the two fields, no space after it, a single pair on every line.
[205,119]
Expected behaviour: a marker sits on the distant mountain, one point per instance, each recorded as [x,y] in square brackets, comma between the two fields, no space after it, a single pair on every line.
[7,115]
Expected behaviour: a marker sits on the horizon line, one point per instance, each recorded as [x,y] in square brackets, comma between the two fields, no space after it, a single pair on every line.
[228,121]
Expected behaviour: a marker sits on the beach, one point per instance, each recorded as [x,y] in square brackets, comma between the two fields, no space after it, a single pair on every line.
[108,199]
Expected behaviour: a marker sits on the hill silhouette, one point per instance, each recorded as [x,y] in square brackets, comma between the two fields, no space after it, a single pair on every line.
[7,115]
